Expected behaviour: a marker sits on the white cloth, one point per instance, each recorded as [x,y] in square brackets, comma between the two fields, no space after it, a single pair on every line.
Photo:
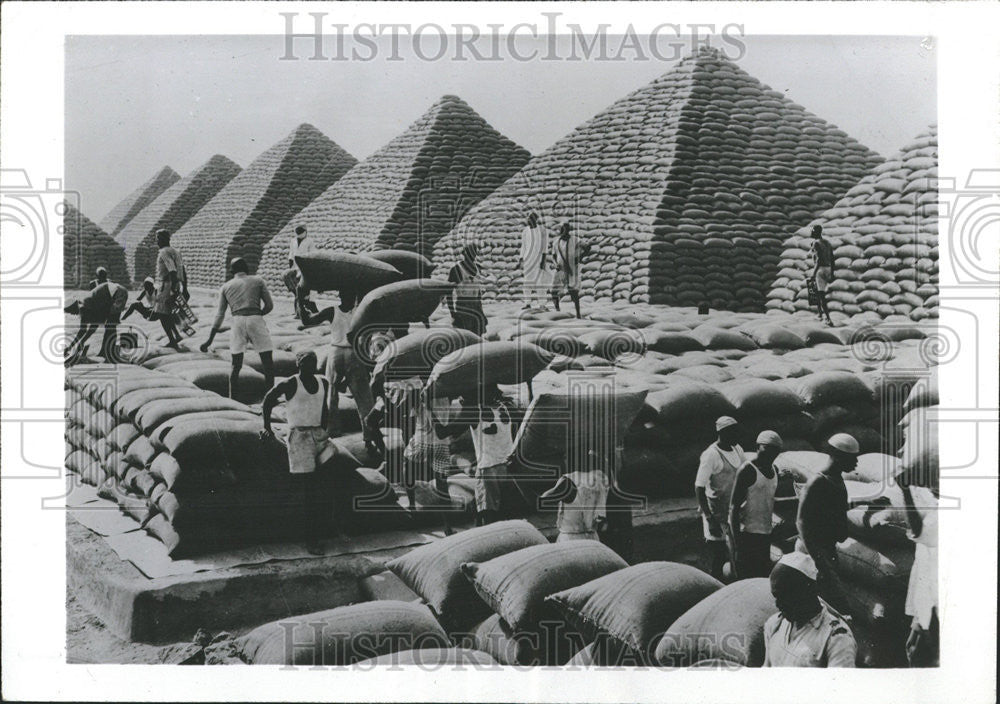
[716,475]
[492,448]
[308,448]
[824,641]
[423,427]
[249,329]
[922,594]
[577,519]
[305,409]
[567,264]
[755,515]
[534,247]
[303,248]
[339,327]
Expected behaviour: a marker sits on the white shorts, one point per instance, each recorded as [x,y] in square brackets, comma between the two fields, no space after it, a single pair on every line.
[249,329]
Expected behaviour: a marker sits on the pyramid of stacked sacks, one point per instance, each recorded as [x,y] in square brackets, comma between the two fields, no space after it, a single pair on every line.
[257,203]
[685,189]
[122,214]
[174,207]
[86,247]
[411,191]
[885,241]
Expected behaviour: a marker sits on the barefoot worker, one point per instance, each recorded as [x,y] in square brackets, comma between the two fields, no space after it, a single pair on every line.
[301,245]
[485,413]
[534,262]
[752,508]
[345,369]
[171,280]
[569,254]
[821,252]
[713,488]
[822,518]
[248,298]
[143,304]
[804,632]
[309,445]
[102,306]
[465,302]
[582,496]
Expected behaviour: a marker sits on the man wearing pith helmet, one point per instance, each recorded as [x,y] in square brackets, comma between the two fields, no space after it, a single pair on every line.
[713,487]
[822,518]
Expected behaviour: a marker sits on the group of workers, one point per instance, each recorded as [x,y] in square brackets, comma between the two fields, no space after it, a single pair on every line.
[736,498]
[735,493]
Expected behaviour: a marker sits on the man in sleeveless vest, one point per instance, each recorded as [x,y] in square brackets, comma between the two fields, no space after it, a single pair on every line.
[582,495]
[805,632]
[752,507]
[713,487]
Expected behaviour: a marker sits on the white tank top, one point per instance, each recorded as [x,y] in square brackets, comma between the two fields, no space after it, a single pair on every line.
[339,326]
[492,449]
[304,409]
[759,505]
[579,515]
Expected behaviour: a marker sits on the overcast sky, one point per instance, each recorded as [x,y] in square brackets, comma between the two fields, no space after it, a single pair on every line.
[135,104]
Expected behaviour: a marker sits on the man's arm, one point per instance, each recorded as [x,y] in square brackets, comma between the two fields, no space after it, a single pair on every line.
[265,297]
[325,412]
[744,480]
[324,316]
[271,400]
[220,315]
[564,490]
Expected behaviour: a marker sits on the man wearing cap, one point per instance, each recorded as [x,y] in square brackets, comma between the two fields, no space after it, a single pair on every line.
[805,632]
[101,275]
[309,445]
[248,298]
[822,517]
[752,507]
[713,487]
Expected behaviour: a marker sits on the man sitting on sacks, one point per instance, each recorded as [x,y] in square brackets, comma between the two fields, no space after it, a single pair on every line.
[247,296]
[805,632]
[309,446]
[822,518]
[102,306]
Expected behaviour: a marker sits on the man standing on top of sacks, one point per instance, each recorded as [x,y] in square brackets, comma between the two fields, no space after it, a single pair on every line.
[247,296]
[821,252]
[569,254]
[713,487]
[171,280]
[534,262]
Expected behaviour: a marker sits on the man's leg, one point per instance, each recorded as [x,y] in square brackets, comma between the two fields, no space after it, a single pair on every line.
[80,342]
[267,362]
[234,375]
[718,554]
[334,368]
[359,382]
[575,295]
[109,344]
[822,306]
[555,298]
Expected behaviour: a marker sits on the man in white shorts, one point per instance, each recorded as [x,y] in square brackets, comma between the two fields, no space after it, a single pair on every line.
[248,298]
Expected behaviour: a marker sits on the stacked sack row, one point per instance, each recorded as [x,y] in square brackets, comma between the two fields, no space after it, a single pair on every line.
[250,210]
[783,373]
[409,193]
[885,239]
[86,247]
[171,209]
[685,189]
[502,594]
[134,202]
[191,467]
